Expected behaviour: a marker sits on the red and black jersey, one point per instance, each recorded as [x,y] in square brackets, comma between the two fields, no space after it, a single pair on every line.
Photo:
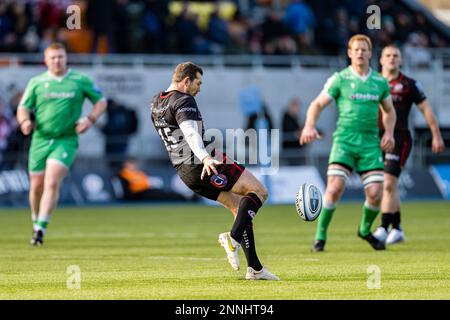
[168,110]
[404,91]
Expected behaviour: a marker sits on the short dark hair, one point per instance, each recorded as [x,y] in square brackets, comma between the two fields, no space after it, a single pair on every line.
[391,45]
[186,69]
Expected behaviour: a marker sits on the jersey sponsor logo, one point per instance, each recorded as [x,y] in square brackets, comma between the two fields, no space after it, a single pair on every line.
[187,109]
[397,88]
[365,96]
[397,98]
[394,157]
[219,180]
[60,95]
[159,109]
[161,122]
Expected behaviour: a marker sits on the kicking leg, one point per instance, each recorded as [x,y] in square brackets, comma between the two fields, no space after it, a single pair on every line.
[231,201]
[254,194]
[244,201]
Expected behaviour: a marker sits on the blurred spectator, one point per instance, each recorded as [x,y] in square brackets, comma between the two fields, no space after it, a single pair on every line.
[415,51]
[154,26]
[260,120]
[121,28]
[238,29]
[137,185]
[404,26]
[16,153]
[100,19]
[190,38]
[217,31]
[291,125]
[300,19]
[275,36]
[7,126]
[121,123]
[341,31]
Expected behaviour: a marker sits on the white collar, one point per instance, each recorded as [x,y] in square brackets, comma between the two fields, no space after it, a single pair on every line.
[362,78]
[59,78]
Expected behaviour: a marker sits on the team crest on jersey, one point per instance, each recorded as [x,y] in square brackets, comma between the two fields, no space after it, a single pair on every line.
[398,87]
[219,180]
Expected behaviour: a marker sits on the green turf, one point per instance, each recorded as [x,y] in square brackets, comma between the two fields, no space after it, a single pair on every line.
[171,252]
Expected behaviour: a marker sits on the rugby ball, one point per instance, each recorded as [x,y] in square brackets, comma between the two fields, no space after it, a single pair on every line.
[308,202]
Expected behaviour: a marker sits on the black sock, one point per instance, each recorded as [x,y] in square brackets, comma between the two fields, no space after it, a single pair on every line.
[386,219]
[396,221]
[248,245]
[248,207]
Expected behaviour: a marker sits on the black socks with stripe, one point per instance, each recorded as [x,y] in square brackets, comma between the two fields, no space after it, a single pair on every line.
[248,207]
[242,230]
[388,218]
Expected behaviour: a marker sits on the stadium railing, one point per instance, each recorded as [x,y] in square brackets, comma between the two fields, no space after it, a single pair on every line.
[283,61]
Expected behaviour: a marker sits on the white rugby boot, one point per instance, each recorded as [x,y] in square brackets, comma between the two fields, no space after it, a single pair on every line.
[395,236]
[231,247]
[381,234]
[263,274]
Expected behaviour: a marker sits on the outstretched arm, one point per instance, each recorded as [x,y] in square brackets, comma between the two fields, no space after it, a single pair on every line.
[309,132]
[389,118]
[437,144]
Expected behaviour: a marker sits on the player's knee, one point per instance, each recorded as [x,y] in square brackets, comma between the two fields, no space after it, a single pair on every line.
[374,194]
[334,191]
[52,185]
[389,186]
[37,188]
[261,192]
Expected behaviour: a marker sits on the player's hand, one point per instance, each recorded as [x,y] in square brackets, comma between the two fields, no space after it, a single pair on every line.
[209,166]
[387,143]
[309,134]
[83,125]
[26,127]
[437,144]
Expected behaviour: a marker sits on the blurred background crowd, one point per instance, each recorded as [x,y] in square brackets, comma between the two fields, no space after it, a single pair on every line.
[211,27]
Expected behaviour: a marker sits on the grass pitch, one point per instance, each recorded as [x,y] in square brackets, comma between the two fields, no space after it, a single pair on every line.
[171,252]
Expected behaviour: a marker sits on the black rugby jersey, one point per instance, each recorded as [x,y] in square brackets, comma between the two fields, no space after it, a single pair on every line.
[168,110]
[404,91]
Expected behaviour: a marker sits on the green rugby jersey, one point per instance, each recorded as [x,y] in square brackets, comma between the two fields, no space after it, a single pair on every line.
[357,99]
[58,102]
